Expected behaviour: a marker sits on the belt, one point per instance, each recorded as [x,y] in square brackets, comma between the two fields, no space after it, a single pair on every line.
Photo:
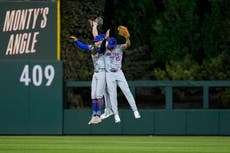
[99,70]
[113,70]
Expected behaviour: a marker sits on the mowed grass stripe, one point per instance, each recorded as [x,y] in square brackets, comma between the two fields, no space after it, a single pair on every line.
[114,144]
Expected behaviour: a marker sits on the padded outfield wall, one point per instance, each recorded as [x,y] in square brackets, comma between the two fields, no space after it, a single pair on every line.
[31,70]
[153,122]
[31,85]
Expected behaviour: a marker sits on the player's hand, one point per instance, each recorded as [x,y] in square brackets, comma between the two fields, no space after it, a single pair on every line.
[74,38]
[123,31]
[107,34]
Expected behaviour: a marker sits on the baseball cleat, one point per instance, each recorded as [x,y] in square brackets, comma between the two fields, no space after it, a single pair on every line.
[117,119]
[137,115]
[106,115]
[95,120]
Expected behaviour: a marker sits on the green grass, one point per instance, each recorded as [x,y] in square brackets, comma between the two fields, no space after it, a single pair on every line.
[114,144]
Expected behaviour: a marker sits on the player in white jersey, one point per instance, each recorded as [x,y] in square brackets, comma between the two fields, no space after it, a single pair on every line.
[108,108]
[98,79]
[115,76]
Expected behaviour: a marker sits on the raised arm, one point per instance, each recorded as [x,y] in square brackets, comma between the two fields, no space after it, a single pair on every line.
[127,43]
[103,44]
[124,32]
[94,24]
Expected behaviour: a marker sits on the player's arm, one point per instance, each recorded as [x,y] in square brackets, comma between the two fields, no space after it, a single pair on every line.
[94,29]
[94,24]
[127,42]
[80,44]
[103,44]
[124,32]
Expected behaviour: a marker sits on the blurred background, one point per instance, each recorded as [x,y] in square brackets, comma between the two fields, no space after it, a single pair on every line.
[170,40]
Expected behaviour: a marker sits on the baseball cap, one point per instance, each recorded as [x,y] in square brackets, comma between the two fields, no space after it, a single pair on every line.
[99,37]
[112,42]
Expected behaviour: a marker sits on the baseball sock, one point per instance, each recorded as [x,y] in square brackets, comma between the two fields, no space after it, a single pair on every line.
[100,106]
[94,107]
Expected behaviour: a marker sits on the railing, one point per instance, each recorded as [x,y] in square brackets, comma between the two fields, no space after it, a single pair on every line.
[168,85]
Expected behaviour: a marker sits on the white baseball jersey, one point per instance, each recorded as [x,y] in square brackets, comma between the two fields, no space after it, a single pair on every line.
[115,76]
[113,59]
[98,79]
[98,60]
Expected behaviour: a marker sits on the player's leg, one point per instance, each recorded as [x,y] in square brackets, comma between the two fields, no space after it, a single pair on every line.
[108,108]
[100,77]
[94,117]
[93,95]
[112,89]
[122,83]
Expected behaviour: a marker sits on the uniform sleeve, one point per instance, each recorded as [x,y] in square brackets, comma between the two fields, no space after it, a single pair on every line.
[120,47]
[103,46]
[82,45]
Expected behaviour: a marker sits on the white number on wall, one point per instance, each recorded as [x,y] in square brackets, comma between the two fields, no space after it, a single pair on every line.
[25,75]
[49,74]
[37,75]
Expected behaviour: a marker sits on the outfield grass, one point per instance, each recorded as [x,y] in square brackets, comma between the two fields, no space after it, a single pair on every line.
[114,144]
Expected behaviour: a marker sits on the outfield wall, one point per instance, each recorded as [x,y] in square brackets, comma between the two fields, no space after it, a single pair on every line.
[168,121]
[153,122]
[31,100]
[31,71]
[31,90]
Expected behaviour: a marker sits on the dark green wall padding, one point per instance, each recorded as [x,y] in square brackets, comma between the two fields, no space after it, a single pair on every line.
[168,121]
[153,122]
[30,109]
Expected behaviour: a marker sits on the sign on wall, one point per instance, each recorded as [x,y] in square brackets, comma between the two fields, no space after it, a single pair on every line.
[28,30]
[31,71]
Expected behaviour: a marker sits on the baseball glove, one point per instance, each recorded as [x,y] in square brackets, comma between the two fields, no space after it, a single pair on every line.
[123,31]
[99,20]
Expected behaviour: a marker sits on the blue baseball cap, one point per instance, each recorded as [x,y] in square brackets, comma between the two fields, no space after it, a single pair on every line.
[99,37]
[112,42]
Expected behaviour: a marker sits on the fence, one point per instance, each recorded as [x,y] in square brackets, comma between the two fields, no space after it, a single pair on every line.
[166,121]
[168,86]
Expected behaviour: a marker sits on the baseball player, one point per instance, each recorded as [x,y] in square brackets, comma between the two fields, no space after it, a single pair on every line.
[108,108]
[98,79]
[114,74]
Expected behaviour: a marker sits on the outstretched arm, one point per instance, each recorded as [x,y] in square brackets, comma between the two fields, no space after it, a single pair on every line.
[80,44]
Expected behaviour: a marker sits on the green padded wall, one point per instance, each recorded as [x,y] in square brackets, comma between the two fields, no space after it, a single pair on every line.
[30,109]
[224,121]
[153,122]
